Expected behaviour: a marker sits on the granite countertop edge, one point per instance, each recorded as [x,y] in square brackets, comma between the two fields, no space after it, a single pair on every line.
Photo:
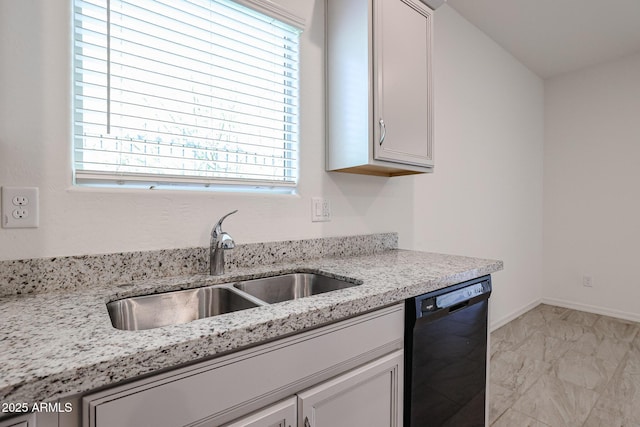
[62,343]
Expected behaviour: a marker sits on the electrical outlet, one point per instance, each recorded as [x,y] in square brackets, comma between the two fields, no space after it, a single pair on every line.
[587,281]
[320,209]
[20,200]
[20,213]
[20,207]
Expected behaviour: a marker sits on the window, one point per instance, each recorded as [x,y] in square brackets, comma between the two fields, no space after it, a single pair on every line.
[185,92]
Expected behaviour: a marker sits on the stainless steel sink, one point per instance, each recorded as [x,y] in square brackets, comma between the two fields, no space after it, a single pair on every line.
[291,286]
[173,308]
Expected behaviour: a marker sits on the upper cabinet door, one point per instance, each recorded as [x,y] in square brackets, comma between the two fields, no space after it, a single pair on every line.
[403,95]
[378,83]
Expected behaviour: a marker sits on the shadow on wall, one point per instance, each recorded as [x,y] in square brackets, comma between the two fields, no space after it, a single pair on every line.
[384,204]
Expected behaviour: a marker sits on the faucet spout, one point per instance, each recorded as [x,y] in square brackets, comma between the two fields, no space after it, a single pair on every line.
[220,241]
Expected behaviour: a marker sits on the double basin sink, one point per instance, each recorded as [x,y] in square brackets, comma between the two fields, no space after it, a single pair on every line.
[172,308]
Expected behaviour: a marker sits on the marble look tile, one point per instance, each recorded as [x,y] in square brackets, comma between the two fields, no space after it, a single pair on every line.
[585,371]
[618,329]
[556,402]
[594,373]
[512,418]
[565,330]
[627,413]
[500,399]
[624,386]
[621,396]
[549,312]
[602,418]
[516,372]
[534,318]
[591,344]
[543,347]
[636,343]
[632,362]
[514,333]
[498,345]
[580,317]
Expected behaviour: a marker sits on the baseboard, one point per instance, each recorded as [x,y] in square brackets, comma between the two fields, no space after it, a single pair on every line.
[634,317]
[495,324]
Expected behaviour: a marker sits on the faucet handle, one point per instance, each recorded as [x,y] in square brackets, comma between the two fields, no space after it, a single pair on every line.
[226,241]
[218,227]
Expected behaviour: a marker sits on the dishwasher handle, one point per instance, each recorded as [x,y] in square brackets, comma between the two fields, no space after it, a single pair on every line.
[459,306]
[442,304]
[428,316]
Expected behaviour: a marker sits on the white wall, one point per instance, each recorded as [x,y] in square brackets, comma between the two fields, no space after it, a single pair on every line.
[485,198]
[592,188]
[35,150]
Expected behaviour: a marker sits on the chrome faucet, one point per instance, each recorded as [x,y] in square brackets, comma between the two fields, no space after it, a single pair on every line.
[220,241]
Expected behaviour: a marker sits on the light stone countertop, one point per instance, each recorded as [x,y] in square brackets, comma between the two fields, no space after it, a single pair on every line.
[59,343]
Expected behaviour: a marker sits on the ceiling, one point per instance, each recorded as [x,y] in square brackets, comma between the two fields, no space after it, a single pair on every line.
[552,37]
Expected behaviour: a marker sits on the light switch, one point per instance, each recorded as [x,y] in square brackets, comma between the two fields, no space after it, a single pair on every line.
[320,209]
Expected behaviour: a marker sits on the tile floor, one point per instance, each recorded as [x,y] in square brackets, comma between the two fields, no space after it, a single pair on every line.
[562,368]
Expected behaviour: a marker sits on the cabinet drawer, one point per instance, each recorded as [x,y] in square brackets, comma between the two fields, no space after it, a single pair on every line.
[281,414]
[220,389]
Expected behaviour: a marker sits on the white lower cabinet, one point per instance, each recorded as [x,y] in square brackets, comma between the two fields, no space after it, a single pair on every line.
[370,396]
[281,414]
[23,421]
[39,419]
[347,374]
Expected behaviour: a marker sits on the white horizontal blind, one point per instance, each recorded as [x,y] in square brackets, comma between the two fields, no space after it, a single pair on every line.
[184,92]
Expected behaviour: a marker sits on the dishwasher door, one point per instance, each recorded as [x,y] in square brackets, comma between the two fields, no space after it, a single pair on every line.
[446,356]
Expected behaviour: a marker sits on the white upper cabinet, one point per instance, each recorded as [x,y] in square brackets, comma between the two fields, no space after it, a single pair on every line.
[379,87]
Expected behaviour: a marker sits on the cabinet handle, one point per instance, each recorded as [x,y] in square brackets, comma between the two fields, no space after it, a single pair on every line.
[306,422]
[383,133]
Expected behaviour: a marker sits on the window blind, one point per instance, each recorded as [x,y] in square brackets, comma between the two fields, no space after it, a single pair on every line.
[184,92]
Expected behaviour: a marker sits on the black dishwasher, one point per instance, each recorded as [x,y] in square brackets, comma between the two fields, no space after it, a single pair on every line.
[446,356]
